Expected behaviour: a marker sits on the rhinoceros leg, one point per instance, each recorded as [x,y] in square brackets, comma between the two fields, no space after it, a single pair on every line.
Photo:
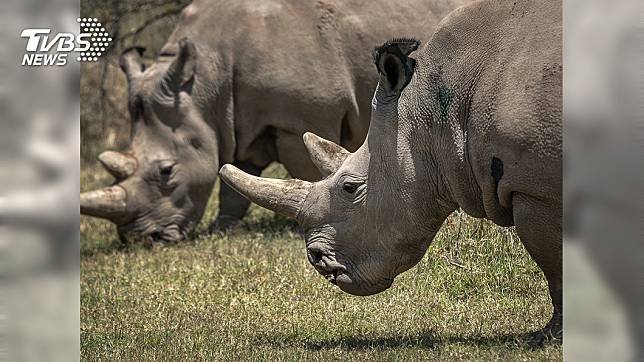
[539,225]
[232,205]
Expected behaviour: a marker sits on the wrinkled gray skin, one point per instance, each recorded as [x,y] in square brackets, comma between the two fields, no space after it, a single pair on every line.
[239,82]
[478,127]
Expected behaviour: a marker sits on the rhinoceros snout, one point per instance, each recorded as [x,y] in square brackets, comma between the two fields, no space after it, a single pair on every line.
[324,261]
[144,231]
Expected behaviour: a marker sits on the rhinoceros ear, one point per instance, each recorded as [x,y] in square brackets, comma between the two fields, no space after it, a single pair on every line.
[181,72]
[393,62]
[131,62]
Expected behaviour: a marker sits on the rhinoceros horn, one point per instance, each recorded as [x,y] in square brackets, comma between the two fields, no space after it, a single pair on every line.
[107,203]
[119,165]
[326,155]
[282,196]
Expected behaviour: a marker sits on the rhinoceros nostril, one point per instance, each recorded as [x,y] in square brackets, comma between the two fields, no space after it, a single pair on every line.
[315,252]
[315,256]
[156,236]
[324,261]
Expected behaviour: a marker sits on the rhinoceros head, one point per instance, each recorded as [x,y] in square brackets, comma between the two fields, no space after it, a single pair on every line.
[165,176]
[361,226]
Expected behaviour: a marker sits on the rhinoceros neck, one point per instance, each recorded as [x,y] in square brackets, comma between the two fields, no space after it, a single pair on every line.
[434,113]
[402,159]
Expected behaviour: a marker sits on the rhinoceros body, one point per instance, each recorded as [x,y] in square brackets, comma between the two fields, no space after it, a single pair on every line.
[239,82]
[472,120]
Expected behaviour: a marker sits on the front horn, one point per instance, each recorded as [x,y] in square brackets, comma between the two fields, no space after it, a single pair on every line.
[282,196]
[326,155]
[106,203]
[119,165]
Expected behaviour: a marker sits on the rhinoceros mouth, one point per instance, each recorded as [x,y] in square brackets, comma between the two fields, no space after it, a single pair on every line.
[337,267]
[349,280]
[347,277]
[169,234]
[332,277]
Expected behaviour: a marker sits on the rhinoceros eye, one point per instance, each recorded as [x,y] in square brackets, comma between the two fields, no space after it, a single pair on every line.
[350,187]
[165,171]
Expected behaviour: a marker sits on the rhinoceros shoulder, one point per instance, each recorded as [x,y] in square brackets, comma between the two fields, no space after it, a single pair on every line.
[492,72]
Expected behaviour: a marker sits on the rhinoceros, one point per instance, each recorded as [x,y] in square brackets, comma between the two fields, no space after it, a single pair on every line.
[473,121]
[240,82]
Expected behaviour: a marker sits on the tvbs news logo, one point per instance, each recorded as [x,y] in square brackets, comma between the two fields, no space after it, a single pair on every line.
[47,49]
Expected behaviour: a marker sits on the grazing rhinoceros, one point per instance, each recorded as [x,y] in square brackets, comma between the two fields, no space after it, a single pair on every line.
[240,82]
[474,122]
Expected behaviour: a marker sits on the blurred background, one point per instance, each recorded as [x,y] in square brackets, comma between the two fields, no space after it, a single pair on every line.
[50,113]
[603,179]
[46,112]
[39,138]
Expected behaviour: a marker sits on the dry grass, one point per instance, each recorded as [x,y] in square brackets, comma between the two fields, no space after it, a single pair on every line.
[251,294]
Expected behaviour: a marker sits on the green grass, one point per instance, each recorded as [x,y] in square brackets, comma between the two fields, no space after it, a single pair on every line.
[251,295]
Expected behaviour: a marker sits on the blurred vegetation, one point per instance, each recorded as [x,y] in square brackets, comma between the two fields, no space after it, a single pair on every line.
[104,116]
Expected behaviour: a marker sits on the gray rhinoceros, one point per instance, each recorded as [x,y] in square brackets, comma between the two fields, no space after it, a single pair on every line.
[240,82]
[473,122]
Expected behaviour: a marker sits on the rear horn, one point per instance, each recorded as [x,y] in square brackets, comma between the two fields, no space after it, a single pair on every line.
[326,155]
[119,165]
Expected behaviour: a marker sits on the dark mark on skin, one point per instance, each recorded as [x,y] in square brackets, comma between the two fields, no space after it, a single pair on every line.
[497,171]
[444,100]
